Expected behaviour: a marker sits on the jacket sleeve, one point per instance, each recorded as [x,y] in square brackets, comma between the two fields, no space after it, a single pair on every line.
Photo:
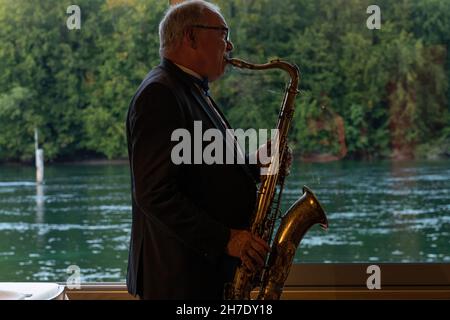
[155,115]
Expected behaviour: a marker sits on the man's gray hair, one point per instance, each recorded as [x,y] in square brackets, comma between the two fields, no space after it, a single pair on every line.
[177,19]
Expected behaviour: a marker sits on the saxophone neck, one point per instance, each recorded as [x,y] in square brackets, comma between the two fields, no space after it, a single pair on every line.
[291,68]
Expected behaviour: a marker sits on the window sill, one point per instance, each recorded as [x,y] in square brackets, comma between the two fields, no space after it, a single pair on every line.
[328,281]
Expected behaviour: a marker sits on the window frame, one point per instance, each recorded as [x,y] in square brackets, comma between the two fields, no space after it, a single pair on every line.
[327,281]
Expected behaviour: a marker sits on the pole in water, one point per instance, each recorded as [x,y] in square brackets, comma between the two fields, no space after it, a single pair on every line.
[39,159]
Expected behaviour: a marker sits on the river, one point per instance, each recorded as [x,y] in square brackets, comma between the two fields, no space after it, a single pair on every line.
[379,211]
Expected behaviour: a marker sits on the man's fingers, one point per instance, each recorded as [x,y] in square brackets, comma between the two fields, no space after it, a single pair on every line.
[260,245]
[256,246]
[258,252]
[289,156]
[255,258]
[287,171]
[252,261]
[251,249]
[254,253]
[248,263]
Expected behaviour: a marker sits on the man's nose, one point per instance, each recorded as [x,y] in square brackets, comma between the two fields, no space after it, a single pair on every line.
[230,46]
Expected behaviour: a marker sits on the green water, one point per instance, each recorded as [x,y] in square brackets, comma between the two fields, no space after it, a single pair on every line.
[377,211]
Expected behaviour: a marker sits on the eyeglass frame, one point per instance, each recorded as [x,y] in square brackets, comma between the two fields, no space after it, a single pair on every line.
[227,30]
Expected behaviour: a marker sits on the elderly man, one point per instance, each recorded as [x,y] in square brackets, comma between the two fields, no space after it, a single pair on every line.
[190,221]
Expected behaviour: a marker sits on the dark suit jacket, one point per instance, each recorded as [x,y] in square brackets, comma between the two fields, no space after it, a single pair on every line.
[181,213]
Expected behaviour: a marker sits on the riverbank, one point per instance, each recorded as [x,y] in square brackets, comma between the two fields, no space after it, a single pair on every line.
[422,153]
[93,162]
[314,158]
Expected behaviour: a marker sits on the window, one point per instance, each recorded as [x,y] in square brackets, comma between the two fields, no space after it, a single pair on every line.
[370,131]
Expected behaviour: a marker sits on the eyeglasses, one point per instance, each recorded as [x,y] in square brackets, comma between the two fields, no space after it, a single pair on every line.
[227,31]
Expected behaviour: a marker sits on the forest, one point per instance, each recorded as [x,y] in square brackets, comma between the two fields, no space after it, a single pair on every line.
[364,93]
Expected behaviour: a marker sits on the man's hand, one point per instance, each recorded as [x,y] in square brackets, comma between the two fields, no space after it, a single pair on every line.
[251,249]
[285,168]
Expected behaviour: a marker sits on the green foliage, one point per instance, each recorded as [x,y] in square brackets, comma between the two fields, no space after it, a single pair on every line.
[389,87]
[17,121]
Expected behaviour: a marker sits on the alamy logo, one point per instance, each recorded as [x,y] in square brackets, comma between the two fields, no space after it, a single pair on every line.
[74,21]
[373,281]
[374,20]
[226,149]
[74,280]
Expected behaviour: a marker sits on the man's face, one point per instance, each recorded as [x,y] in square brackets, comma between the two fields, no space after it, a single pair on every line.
[212,46]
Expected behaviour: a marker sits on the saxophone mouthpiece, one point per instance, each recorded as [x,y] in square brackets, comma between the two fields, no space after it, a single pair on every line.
[228,61]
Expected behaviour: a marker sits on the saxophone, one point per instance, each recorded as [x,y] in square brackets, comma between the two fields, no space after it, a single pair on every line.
[301,216]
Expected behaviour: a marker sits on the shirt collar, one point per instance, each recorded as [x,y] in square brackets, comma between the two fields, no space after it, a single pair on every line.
[199,80]
[189,71]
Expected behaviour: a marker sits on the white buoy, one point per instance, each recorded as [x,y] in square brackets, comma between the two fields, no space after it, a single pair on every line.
[39,159]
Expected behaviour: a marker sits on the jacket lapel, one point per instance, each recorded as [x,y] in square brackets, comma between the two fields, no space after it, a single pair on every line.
[207,109]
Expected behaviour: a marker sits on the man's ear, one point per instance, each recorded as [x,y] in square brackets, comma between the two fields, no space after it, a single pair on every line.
[189,36]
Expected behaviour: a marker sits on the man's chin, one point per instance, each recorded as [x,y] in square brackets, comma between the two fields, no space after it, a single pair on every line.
[215,77]
[224,67]
[219,73]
